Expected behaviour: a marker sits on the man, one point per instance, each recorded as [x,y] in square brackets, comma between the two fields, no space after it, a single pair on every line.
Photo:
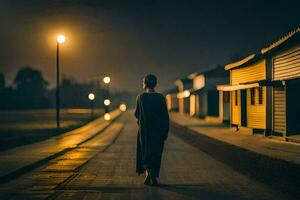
[153,121]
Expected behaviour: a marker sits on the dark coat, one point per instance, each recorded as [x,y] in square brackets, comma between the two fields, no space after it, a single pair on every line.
[153,121]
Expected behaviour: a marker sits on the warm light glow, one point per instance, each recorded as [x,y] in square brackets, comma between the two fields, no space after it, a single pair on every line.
[107,116]
[61,38]
[106,80]
[192,105]
[169,101]
[186,93]
[106,102]
[123,107]
[91,96]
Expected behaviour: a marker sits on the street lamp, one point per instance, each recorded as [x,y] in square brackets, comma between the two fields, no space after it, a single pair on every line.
[107,116]
[106,102]
[59,40]
[91,97]
[123,107]
[106,80]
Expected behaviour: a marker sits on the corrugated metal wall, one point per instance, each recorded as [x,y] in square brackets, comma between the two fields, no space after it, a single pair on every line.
[279,110]
[256,114]
[251,73]
[287,64]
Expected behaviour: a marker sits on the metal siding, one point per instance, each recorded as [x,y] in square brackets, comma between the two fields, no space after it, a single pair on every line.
[251,73]
[256,114]
[279,111]
[287,64]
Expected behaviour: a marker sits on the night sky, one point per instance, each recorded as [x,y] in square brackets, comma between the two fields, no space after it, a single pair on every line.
[128,39]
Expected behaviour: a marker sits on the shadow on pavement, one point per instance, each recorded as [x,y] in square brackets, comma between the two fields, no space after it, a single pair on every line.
[194,192]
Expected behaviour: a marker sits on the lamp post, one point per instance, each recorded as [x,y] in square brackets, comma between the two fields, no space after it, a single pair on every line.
[106,102]
[59,40]
[91,97]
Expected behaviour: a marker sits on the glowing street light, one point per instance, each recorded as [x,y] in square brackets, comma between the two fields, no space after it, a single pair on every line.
[92,97]
[107,116]
[123,107]
[186,93]
[59,40]
[106,80]
[106,102]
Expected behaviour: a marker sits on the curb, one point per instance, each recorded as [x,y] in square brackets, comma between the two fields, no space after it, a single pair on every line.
[278,174]
[12,175]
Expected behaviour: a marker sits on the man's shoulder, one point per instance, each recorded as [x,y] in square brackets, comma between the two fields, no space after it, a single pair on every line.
[146,95]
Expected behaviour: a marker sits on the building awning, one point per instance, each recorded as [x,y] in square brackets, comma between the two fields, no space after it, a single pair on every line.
[236,87]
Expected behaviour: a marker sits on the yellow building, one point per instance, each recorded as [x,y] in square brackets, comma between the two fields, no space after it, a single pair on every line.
[172,100]
[249,94]
[205,99]
[184,87]
[264,88]
[284,57]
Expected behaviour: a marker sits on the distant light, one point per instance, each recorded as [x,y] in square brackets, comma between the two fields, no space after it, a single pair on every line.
[61,38]
[123,107]
[107,116]
[91,96]
[186,93]
[106,80]
[106,102]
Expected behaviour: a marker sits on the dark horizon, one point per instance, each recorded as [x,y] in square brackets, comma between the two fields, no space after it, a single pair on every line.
[128,40]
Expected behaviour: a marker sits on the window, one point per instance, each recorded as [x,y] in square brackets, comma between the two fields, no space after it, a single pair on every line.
[236,97]
[260,95]
[252,96]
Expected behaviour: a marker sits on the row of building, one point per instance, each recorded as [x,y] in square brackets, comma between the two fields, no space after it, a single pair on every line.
[261,91]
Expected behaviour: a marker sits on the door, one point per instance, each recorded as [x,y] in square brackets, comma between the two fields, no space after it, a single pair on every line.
[243,108]
[292,107]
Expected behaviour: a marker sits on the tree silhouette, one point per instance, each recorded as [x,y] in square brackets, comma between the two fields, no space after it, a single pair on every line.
[30,88]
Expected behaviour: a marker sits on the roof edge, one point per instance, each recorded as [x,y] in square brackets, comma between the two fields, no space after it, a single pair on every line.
[239,63]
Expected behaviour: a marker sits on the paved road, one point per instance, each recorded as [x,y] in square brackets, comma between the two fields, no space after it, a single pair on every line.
[104,168]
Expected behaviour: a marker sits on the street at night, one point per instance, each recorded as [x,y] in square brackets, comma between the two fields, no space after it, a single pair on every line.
[102,168]
[149,99]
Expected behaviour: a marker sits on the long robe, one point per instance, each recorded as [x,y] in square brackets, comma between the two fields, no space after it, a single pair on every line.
[153,121]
